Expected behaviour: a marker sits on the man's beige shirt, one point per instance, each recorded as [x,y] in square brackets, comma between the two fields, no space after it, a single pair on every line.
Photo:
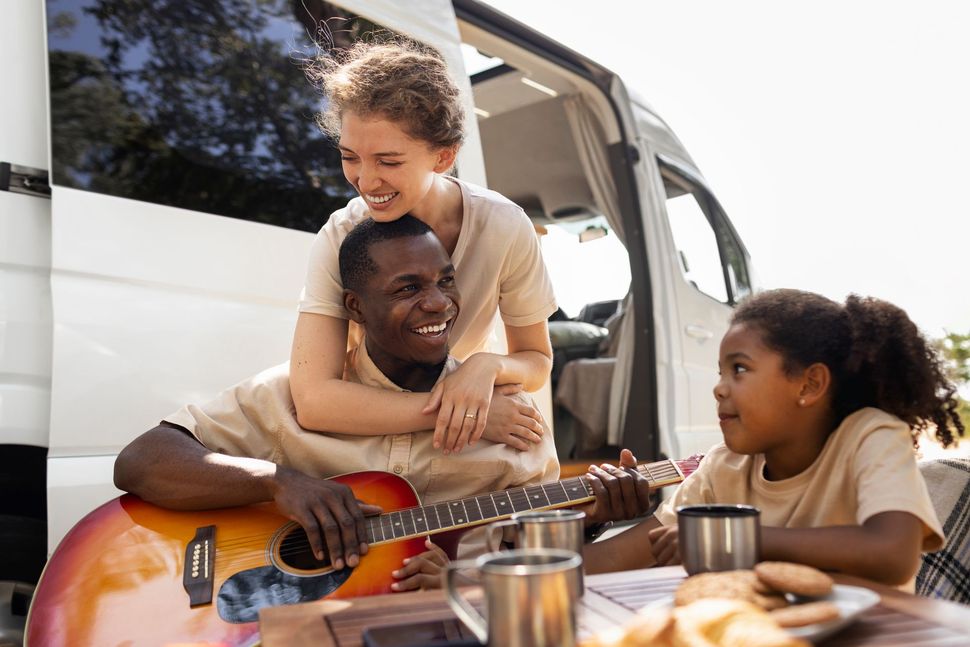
[866,467]
[257,419]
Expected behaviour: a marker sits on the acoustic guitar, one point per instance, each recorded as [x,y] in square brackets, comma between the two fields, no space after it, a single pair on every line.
[131,573]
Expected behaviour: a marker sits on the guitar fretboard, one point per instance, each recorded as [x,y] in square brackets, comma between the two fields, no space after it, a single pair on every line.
[493,506]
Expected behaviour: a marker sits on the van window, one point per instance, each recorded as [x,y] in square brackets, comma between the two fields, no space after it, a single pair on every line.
[587,264]
[709,254]
[202,107]
[696,246]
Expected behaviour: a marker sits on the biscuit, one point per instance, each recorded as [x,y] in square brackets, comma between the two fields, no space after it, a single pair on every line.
[762,588]
[798,579]
[771,601]
[809,613]
[734,585]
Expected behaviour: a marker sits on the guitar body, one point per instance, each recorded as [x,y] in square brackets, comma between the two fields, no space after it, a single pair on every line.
[131,573]
[117,577]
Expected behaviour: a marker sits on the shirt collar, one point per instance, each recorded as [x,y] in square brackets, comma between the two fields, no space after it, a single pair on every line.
[368,374]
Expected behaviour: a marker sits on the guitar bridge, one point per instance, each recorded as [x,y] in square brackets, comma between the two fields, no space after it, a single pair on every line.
[198,568]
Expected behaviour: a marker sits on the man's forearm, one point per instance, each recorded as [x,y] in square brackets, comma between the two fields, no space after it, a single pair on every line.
[167,467]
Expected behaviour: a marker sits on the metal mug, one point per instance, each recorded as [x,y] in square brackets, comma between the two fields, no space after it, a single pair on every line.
[530,597]
[541,529]
[718,537]
[564,529]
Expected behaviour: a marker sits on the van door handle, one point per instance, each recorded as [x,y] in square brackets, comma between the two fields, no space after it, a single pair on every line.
[698,332]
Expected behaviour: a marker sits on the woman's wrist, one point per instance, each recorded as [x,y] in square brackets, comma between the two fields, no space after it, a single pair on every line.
[489,364]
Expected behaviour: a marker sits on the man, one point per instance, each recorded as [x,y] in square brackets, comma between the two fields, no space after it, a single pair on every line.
[246,447]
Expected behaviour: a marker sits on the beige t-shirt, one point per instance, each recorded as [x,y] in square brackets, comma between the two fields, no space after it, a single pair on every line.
[866,467]
[256,418]
[498,268]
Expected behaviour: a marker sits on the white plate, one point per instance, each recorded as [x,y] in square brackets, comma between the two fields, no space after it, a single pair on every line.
[852,601]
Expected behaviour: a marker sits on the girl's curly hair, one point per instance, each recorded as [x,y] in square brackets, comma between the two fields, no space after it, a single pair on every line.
[876,355]
[394,78]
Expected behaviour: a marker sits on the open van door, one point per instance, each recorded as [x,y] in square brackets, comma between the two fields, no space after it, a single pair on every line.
[559,139]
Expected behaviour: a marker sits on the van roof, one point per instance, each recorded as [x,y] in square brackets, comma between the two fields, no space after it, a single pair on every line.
[493,20]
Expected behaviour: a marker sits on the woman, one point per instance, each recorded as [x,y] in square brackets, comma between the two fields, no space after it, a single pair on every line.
[399,121]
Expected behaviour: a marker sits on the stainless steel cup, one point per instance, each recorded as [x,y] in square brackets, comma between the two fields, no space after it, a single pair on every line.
[718,537]
[564,529]
[541,529]
[530,597]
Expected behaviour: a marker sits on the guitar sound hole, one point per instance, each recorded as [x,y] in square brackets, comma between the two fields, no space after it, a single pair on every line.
[296,553]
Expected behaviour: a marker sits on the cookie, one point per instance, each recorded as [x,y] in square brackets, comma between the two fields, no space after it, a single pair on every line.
[809,613]
[771,601]
[733,585]
[798,579]
[762,588]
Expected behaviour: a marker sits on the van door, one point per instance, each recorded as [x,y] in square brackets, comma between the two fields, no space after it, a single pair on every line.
[557,134]
[710,275]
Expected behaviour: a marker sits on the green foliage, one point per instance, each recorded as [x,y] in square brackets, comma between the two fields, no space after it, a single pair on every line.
[954,348]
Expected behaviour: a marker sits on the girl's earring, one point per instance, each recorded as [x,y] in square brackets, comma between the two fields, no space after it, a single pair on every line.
[801,402]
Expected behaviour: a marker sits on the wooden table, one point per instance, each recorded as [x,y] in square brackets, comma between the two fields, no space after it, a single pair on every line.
[899,619]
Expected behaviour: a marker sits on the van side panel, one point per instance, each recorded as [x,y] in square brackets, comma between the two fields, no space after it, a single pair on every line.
[154,307]
[25,311]
[23,138]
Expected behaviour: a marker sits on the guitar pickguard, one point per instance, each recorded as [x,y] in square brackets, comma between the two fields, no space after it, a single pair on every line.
[245,593]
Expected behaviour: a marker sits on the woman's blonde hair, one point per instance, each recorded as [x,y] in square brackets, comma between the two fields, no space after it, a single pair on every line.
[395,79]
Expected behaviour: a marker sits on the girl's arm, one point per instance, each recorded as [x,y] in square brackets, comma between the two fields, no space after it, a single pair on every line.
[469,389]
[627,550]
[886,548]
[325,402]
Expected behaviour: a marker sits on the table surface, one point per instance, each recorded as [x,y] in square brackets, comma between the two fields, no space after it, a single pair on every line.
[899,619]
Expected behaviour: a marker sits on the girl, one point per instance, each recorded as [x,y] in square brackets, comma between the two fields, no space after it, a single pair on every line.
[399,121]
[820,405]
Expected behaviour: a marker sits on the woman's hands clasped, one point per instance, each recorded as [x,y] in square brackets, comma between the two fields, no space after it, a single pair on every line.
[471,407]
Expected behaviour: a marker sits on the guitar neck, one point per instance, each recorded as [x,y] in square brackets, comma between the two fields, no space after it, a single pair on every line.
[493,506]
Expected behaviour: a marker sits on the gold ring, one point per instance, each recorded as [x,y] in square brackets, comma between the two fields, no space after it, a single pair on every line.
[473,416]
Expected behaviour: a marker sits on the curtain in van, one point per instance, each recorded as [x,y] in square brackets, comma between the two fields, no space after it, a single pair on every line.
[591,145]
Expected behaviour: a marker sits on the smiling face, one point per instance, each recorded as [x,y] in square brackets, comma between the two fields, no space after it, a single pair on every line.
[392,171]
[757,402]
[408,305]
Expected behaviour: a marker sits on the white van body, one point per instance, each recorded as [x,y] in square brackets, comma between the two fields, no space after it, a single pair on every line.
[116,310]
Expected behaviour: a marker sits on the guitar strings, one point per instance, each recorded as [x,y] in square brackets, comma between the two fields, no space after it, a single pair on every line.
[374,524]
[301,545]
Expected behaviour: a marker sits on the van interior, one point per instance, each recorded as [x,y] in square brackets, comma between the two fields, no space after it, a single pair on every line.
[542,129]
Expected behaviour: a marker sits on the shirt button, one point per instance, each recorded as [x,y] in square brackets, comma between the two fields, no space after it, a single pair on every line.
[398,469]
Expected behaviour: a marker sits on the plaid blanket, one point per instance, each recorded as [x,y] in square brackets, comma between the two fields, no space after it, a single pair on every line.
[946,573]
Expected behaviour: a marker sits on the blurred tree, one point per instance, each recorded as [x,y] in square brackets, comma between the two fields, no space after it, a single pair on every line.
[954,348]
[199,104]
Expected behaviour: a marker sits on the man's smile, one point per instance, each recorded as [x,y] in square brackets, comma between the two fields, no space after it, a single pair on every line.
[432,330]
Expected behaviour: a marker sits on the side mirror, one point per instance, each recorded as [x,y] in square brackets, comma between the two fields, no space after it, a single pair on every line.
[593,232]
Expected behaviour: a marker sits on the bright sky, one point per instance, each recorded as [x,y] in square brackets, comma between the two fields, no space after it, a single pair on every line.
[836,135]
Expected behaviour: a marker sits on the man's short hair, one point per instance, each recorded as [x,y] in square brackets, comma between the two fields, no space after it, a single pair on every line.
[356,264]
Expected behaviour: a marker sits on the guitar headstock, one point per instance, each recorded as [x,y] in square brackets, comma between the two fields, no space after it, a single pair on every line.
[690,464]
[668,471]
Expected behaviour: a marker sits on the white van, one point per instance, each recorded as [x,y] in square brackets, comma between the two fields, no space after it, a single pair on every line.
[162,179]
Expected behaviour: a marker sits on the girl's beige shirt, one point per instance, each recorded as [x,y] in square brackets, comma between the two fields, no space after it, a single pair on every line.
[867,466]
